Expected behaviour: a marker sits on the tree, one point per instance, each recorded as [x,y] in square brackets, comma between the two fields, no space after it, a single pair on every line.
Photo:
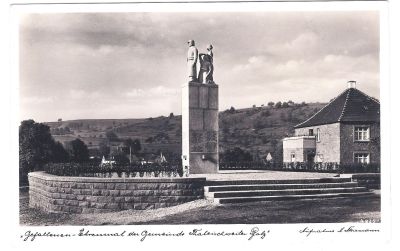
[134,145]
[171,115]
[278,104]
[232,109]
[271,104]
[285,105]
[111,136]
[104,149]
[36,148]
[78,150]
[59,153]
[120,158]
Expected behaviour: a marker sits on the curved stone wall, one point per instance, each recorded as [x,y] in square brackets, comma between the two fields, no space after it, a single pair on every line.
[91,195]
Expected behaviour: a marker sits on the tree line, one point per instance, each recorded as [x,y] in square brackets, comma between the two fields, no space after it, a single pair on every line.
[37,147]
[271,104]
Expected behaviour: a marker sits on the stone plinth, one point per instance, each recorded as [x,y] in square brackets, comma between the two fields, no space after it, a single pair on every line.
[200,127]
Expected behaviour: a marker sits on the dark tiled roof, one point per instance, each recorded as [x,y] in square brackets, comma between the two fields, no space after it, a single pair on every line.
[351,105]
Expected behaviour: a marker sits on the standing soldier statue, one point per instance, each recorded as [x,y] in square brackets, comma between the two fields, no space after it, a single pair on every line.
[206,66]
[192,57]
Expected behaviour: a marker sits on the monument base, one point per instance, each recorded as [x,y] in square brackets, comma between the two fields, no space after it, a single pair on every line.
[200,128]
[203,163]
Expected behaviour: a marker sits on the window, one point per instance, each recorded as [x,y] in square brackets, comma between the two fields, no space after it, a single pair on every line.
[293,157]
[311,132]
[361,133]
[361,158]
[318,135]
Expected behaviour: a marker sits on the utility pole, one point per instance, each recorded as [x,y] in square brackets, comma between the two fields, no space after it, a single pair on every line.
[130,154]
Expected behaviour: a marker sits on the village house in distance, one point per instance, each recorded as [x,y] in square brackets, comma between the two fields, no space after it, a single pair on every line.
[346,131]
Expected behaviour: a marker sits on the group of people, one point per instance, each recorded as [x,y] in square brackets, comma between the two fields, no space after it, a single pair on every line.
[206,70]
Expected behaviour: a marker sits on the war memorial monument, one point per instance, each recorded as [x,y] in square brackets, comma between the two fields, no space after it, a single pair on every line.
[200,114]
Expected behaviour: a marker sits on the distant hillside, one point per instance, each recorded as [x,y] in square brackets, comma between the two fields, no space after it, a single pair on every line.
[258,129]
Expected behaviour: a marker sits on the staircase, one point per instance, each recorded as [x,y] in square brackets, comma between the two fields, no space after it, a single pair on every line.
[238,191]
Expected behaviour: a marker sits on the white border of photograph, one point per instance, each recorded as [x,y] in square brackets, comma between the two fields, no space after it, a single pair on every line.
[282,236]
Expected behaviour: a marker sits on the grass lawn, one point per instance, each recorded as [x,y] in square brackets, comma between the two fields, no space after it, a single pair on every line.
[205,212]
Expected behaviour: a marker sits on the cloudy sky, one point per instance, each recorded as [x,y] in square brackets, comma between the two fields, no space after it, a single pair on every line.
[133,65]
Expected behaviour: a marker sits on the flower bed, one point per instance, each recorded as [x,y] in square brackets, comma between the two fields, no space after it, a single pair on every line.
[114,170]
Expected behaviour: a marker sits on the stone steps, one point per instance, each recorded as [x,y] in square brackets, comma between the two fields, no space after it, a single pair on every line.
[291,197]
[258,182]
[276,186]
[240,191]
[256,193]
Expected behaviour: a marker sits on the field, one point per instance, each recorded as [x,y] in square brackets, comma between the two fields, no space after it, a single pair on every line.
[259,130]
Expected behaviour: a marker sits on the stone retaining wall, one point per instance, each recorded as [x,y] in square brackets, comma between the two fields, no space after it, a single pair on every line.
[91,195]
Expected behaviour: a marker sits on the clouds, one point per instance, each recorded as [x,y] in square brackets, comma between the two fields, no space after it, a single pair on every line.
[135,62]
[262,79]
[154,92]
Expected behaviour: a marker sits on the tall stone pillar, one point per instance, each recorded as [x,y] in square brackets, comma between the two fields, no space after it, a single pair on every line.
[200,127]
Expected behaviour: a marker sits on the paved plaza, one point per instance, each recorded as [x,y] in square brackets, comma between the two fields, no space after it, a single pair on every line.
[205,212]
[263,175]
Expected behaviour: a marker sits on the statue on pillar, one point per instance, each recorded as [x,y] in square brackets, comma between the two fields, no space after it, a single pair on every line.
[206,66]
[192,57]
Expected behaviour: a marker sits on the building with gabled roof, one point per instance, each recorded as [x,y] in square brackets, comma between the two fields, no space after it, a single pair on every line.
[345,131]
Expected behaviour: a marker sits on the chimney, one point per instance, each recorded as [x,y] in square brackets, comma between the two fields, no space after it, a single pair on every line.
[351,84]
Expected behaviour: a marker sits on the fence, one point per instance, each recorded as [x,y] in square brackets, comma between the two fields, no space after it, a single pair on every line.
[326,167]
